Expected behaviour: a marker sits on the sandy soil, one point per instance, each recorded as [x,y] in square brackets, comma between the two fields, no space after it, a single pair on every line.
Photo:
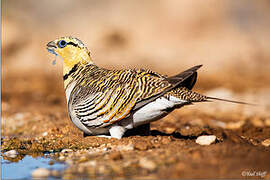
[36,122]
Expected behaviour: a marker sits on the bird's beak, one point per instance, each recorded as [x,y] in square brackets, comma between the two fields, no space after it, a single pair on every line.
[51,46]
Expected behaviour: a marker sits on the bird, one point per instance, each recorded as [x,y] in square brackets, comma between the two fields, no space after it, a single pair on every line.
[108,103]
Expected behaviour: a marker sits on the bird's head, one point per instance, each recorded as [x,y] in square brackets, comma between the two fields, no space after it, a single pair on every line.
[71,50]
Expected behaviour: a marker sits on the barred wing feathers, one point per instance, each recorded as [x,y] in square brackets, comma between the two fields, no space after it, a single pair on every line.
[102,97]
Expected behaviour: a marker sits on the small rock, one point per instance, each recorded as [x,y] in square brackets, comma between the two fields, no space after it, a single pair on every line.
[40,173]
[169,130]
[266,142]
[45,134]
[66,150]
[235,125]
[147,164]
[62,158]
[11,153]
[206,139]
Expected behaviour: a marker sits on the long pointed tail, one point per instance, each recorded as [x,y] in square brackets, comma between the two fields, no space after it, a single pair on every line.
[226,100]
[184,93]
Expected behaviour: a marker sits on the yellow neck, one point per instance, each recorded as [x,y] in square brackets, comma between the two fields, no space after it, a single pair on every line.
[71,56]
[74,55]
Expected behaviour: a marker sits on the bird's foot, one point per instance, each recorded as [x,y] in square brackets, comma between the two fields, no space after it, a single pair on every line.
[117,131]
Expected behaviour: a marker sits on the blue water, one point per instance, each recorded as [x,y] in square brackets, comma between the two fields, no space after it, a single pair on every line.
[23,168]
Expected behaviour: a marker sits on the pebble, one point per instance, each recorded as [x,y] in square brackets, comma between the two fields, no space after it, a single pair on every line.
[45,134]
[66,150]
[61,158]
[11,153]
[266,142]
[40,173]
[147,164]
[170,130]
[235,125]
[206,139]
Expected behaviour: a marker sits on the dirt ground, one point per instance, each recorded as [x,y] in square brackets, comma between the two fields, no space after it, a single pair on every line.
[236,66]
[37,123]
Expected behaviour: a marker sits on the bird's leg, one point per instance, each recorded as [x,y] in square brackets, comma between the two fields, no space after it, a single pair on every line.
[117,131]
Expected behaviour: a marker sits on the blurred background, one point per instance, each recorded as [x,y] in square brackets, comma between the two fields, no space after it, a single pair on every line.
[230,38]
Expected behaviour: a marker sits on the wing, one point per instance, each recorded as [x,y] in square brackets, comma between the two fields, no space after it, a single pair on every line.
[103,97]
[184,79]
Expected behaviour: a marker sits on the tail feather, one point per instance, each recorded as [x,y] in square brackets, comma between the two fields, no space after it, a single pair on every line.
[226,100]
[185,94]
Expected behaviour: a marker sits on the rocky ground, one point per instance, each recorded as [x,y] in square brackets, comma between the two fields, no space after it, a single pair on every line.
[35,122]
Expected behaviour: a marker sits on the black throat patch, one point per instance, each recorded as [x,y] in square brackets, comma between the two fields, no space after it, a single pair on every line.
[75,67]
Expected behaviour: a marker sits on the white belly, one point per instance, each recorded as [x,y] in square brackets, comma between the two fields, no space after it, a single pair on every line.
[155,110]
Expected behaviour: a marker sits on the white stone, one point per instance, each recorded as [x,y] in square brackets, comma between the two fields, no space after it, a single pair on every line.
[266,142]
[40,173]
[45,134]
[66,150]
[206,139]
[11,153]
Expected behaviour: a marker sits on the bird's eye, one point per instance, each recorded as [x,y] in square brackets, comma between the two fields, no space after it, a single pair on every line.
[62,43]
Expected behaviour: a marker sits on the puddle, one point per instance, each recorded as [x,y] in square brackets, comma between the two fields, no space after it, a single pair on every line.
[23,168]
